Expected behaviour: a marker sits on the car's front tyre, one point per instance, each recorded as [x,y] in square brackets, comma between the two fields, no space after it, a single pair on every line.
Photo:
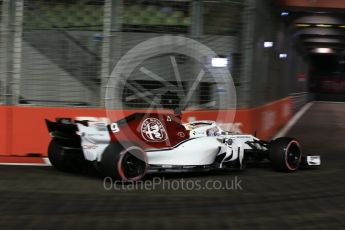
[285,154]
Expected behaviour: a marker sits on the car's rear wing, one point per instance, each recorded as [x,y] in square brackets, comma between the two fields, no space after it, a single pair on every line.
[62,128]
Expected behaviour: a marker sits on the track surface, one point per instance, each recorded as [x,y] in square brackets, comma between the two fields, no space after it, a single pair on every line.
[40,197]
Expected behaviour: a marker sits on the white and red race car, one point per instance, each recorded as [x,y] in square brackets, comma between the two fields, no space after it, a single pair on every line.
[151,142]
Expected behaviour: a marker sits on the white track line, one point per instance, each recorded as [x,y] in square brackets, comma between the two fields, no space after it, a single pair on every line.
[293,120]
[45,160]
[331,102]
[24,164]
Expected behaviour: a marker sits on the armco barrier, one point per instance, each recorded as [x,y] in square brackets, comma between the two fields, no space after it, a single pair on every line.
[23,131]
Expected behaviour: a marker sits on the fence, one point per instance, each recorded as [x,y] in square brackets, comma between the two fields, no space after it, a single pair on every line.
[62,53]
[3,50]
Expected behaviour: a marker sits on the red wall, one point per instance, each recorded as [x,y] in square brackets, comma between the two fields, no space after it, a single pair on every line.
[336,4]
[23,128]
[3,130]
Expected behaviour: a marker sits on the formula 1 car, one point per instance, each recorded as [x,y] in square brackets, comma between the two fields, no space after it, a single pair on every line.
[143,143]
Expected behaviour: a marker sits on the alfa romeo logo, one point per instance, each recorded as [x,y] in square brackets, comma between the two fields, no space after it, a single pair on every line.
[153,130]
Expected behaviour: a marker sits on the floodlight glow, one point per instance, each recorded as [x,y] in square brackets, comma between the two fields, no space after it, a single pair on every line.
[302,25]
[268,44]
[283,56]
[323,50]
[219,62]
[324,25]
[284,13]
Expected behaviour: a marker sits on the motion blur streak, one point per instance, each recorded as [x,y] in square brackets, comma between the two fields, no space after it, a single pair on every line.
[38,197]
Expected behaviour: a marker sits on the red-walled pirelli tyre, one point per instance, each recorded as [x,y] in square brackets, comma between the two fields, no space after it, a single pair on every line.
[285,154]
[63,159]
[126,162]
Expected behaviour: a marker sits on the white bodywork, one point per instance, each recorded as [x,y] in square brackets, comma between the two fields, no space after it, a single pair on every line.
[206,141]
[187,153]
[94,139]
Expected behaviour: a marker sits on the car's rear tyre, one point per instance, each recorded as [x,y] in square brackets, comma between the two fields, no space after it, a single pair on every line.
[63,159]
[285,154]
[126,162]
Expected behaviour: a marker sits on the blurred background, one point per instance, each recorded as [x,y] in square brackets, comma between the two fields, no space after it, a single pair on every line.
[61,53]
[287,62]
